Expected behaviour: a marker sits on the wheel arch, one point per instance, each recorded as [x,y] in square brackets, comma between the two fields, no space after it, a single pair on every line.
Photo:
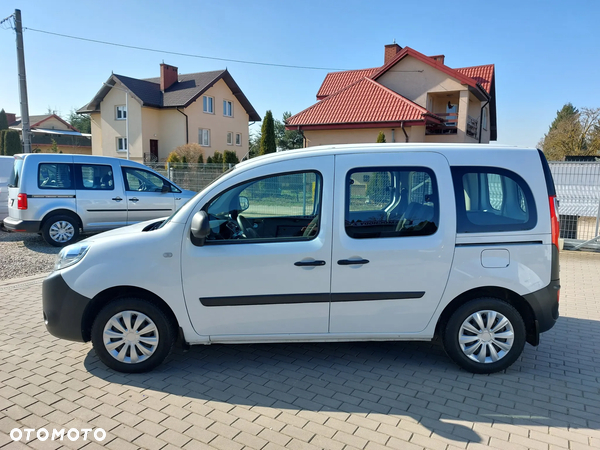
[114,293]
[61,212]
[503,294]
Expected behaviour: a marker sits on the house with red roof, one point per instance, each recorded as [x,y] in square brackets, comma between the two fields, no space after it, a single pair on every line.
[411,98]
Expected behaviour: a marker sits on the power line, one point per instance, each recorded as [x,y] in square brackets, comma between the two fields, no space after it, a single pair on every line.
[189,55]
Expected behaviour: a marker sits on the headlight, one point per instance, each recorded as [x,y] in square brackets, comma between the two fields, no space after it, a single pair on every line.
[71,254]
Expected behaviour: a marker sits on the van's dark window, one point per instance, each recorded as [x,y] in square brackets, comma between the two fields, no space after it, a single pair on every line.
[144,181]
[391,202]
[95,177]
[492,199]
[55,176]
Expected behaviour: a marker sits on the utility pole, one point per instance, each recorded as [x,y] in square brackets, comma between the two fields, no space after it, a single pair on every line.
[22,84]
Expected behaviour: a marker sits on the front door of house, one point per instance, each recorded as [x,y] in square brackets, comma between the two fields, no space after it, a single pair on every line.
[153,150]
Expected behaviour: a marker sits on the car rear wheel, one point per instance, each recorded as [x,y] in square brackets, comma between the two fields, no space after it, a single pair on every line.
[485,335]
[60,230]
[132,335]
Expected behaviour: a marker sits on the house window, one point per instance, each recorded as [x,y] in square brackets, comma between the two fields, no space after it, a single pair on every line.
[121,144]
[484,119]
[238,138]
[204,137]
[227,108]
[121,113]
[229,138]
[208,104]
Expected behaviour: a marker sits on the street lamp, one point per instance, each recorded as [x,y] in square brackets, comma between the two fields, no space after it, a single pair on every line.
[126,113]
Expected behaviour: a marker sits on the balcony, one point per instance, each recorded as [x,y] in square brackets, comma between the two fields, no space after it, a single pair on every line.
[449,126]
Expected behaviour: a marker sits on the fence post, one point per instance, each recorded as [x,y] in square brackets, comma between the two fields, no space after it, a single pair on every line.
[169,174]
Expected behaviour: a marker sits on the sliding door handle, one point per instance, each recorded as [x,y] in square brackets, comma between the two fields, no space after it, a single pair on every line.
[351,262]
[309,263]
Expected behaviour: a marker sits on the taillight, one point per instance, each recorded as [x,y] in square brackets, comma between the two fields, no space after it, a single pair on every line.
[554,219]
[22,201]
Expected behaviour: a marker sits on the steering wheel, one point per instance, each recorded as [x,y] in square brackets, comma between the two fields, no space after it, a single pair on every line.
[142,187]
[247,230]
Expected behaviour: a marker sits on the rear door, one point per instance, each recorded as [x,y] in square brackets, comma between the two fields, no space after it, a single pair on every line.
[393,241]
[101,200]
[146,198]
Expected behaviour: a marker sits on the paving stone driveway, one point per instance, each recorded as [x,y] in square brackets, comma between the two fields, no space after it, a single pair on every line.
[333,396]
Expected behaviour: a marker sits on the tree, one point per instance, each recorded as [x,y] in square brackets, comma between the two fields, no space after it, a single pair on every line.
[217,158]
[191,152]
[209,160]
[12,142]
[572,133]
[54,146]
[381,138]
[201,159]
[230,157]
[3,142]
[267,138]
[287,139]
[82,122]
[3,120]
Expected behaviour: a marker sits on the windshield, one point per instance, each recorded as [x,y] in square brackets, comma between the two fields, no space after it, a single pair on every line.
[15,176]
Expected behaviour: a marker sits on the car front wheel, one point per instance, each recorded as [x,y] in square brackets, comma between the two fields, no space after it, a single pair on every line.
[485,335]
[132,335]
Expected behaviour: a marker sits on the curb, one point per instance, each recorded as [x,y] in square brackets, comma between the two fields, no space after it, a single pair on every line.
[15,281]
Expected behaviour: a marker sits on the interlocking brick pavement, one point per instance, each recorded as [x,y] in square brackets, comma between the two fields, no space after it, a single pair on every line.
[308,396]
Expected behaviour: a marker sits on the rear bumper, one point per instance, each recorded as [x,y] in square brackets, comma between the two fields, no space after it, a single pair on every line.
[544,304]
[27,226]
[63,308]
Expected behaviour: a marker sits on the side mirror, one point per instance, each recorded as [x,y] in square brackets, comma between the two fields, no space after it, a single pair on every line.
[200,228]
[165,188]
[244,203]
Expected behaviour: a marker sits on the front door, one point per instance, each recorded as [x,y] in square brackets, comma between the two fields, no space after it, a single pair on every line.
[146,198]
[393,241]
[101,201]
[153,150]
[265,267]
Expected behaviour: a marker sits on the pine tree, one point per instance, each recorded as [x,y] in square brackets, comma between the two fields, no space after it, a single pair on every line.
[568,112]
[381,138]
[3,120]
[12,142]
[267,138]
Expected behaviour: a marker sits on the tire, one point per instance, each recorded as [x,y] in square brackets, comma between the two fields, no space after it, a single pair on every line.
[143,352]
[484,349]
[60,230]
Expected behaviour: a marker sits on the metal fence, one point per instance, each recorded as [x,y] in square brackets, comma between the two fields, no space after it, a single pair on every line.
[193,177]
[578,193]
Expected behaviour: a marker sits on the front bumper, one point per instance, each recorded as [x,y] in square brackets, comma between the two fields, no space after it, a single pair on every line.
[63,308]
[27,226]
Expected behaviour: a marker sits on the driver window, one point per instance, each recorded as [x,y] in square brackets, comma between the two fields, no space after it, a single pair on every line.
[143,181]
[282,207]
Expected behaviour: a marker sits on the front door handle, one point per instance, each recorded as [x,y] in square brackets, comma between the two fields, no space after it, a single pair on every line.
[134,199]
[309,263]
[117,199]
[351,262]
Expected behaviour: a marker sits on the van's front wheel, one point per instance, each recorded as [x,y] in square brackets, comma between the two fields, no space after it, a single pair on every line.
[485,335]
[132,335]
[60,230]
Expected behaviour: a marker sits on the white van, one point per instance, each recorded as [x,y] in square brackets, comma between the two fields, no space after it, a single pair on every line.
[6,165]
[342,243]
[58,195]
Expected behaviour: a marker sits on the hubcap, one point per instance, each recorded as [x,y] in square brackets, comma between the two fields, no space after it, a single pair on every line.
[130,337]
[486,336]
[62,231]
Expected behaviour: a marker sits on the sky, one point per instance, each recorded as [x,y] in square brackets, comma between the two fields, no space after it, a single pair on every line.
[545,52]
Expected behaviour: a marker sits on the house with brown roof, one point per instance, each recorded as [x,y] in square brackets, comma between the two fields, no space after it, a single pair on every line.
[49,128]
[411,98]
[145,119]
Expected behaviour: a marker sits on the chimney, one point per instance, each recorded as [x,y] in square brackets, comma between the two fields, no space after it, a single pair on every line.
[438,58]
[11,118]
[390,52]
[168,76]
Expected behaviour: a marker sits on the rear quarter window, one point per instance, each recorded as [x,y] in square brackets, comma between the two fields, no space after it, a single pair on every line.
[55,176]
[490,199]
